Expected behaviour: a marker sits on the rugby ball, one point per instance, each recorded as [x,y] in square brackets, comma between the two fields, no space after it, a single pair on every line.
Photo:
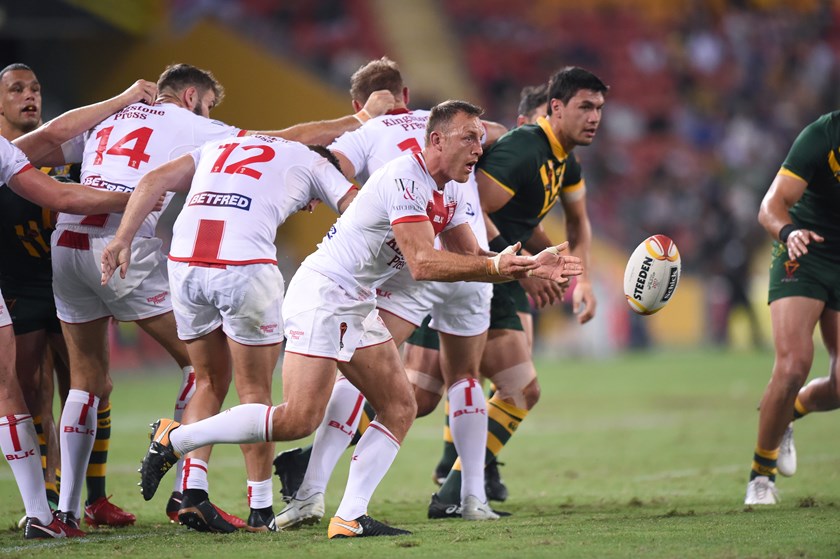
[652,274]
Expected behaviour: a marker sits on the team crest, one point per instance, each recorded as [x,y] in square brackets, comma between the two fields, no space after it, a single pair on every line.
[343,330]
[790,269]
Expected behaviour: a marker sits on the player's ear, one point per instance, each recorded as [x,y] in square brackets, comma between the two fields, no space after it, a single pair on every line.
[357,106]
[405,96]
[190,97]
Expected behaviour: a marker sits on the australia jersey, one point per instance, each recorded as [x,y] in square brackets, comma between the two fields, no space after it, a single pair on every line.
[359,252]
[130,143]
[815,158]
[530,164]
[242,191]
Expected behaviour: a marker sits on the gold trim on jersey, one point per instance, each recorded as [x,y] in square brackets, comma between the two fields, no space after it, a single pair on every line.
[556,147]
[835,167]
[494,179]
[789,173]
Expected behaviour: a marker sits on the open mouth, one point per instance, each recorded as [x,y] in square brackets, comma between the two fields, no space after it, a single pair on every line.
[30,110]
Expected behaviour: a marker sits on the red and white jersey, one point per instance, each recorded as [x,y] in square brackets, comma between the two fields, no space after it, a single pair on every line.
[12,161]
[242,191]
[127,145]
[359,252]
[381,140]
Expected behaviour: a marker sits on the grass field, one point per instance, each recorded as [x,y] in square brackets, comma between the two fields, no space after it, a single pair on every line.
[642,455]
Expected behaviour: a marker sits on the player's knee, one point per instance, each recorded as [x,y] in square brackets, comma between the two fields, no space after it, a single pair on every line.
[531,394]
[792,370]
[426,401]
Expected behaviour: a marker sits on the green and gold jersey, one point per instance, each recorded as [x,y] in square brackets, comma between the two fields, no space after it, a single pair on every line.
[531,165]
[25,229]
[815,158]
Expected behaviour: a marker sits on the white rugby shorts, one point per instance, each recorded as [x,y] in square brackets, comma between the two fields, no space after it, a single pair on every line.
[79,297]
[245,300]
[323,320]
[459,308]
[5,317]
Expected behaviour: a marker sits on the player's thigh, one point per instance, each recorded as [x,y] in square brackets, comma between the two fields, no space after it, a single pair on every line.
[307,386]
[87,347]
[11,398]
[253,369]
[399,328]
[460,356]
[793,321]
[211,360]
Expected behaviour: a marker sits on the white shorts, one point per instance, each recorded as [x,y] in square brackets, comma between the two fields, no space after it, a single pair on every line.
[323,320]
[245,300]
[460,308]
[5,317]
[79,297]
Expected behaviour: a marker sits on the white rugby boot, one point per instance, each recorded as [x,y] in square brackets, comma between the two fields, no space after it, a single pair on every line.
[301,512]
[787,453]
[761,491]
[473,509]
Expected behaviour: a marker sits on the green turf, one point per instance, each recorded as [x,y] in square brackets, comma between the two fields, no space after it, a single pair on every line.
[642,455]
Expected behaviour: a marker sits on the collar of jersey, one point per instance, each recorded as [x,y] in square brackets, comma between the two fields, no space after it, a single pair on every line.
[556,148]
[400,111]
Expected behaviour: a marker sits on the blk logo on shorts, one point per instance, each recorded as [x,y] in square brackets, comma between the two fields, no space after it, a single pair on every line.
[342,330]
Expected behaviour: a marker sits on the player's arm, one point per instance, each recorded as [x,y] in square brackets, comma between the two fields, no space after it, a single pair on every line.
[70,198]
[323,132]
[774,214]
[43,145]
[579,234]
[175,176]
[492,131]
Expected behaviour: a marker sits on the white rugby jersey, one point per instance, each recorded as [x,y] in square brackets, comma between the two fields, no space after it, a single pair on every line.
[12,161]
[359,251]
[385,138]
[382,139]
[127,145]
[242,191]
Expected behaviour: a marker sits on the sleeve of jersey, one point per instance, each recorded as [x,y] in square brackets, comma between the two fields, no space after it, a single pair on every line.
[12,161]
[404,199]
[506,164]
[352,146]
[573,186]
[460,216]
[810,150]
[74,149]
[206,130]
[330,185]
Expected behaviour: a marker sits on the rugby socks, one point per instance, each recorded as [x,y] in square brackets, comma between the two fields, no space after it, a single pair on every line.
[195,475]
[19,444]
[260,494]
[449,453]
[372,457]
[368,415]
[95,475]
[764,463]
[799,410]
[503,420]
[245,423]
[42,443]
[332,437]
[78,432]
[185,393]
[468,423]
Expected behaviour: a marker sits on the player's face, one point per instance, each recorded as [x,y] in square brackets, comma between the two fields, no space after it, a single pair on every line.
[20,99]
[205,104]
[579,118]
[462,146]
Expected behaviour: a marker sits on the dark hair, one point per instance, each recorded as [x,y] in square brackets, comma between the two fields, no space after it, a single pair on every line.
[565,84]
[443,113]
[14,66]
[178,77]
[326,154]
[373,76]
[531,97]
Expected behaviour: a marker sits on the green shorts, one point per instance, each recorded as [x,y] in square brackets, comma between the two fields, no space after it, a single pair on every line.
[424,336]
[31,314]
[810,276]
[508,299]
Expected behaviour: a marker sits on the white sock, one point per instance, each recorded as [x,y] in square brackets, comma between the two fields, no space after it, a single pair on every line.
[468,424]
[185,393]
[195,475]
[19,444]
[260,494]
[78,431]
[332,437]
[373,456]
[245,423]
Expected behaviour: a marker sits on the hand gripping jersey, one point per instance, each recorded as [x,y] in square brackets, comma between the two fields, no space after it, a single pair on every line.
[242,190]
[530,164]
[129,144]
[359,252]
[815,158]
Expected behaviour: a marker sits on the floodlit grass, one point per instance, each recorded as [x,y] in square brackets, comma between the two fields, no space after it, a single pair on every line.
[643,455]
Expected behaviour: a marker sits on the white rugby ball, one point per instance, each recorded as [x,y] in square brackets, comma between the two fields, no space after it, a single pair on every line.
[652,274]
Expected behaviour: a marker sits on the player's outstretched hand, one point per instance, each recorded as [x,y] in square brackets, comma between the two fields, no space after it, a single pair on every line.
[116,253]
[555,266]
[141,91]
[379,103]
[543,292]
[798,241]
